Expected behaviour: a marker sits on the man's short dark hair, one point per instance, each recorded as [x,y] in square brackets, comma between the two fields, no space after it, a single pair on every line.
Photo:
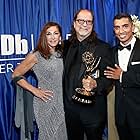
[123,15]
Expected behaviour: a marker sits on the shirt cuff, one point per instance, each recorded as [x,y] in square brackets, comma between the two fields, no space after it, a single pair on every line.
[121,77]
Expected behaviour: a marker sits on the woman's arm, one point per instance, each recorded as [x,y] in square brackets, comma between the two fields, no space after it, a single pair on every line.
[24,67]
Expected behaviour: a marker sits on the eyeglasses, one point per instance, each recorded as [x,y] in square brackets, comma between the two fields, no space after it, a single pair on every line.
[82,21]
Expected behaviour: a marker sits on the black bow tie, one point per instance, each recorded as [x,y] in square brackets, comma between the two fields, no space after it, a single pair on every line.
[120,47]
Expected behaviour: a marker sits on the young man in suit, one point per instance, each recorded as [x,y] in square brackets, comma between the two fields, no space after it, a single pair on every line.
[83,115]
[126,74]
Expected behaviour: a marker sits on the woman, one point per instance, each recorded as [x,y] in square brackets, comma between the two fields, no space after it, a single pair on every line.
[47,64]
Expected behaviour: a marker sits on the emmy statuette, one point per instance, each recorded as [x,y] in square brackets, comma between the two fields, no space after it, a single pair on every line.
[91,63]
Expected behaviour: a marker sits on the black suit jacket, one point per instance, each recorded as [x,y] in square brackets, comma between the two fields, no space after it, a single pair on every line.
[127,99]
[73,71]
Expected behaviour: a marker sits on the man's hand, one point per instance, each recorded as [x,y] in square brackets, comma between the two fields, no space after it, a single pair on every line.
[89,83]
[113,73]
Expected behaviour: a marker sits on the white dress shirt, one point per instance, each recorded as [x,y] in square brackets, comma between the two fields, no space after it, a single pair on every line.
[124,56]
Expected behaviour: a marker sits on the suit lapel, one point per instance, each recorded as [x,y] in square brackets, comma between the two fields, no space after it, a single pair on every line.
[70,56]
[82,70]
[116,56]
[134,51]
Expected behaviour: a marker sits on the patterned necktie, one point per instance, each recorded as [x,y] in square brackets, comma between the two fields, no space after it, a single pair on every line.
[120,47]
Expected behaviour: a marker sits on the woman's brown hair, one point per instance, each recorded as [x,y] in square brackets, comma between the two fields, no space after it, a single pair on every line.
[42,45]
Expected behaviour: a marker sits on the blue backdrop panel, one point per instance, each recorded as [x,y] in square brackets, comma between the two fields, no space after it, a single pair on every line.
[20,24]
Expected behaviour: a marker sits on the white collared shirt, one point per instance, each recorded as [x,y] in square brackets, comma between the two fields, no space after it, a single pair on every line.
[124,55]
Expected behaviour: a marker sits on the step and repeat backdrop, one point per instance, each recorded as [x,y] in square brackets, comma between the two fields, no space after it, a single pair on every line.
[20,24]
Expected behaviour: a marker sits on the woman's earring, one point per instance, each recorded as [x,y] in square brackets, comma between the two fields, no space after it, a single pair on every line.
[60,42]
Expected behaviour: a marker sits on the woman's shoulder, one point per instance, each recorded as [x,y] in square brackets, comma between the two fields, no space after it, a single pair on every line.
[32,56]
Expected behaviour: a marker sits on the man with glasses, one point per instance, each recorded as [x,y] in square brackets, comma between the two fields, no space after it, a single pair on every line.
[85,113]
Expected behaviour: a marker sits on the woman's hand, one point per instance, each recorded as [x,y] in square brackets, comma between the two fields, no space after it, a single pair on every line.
[43,94]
